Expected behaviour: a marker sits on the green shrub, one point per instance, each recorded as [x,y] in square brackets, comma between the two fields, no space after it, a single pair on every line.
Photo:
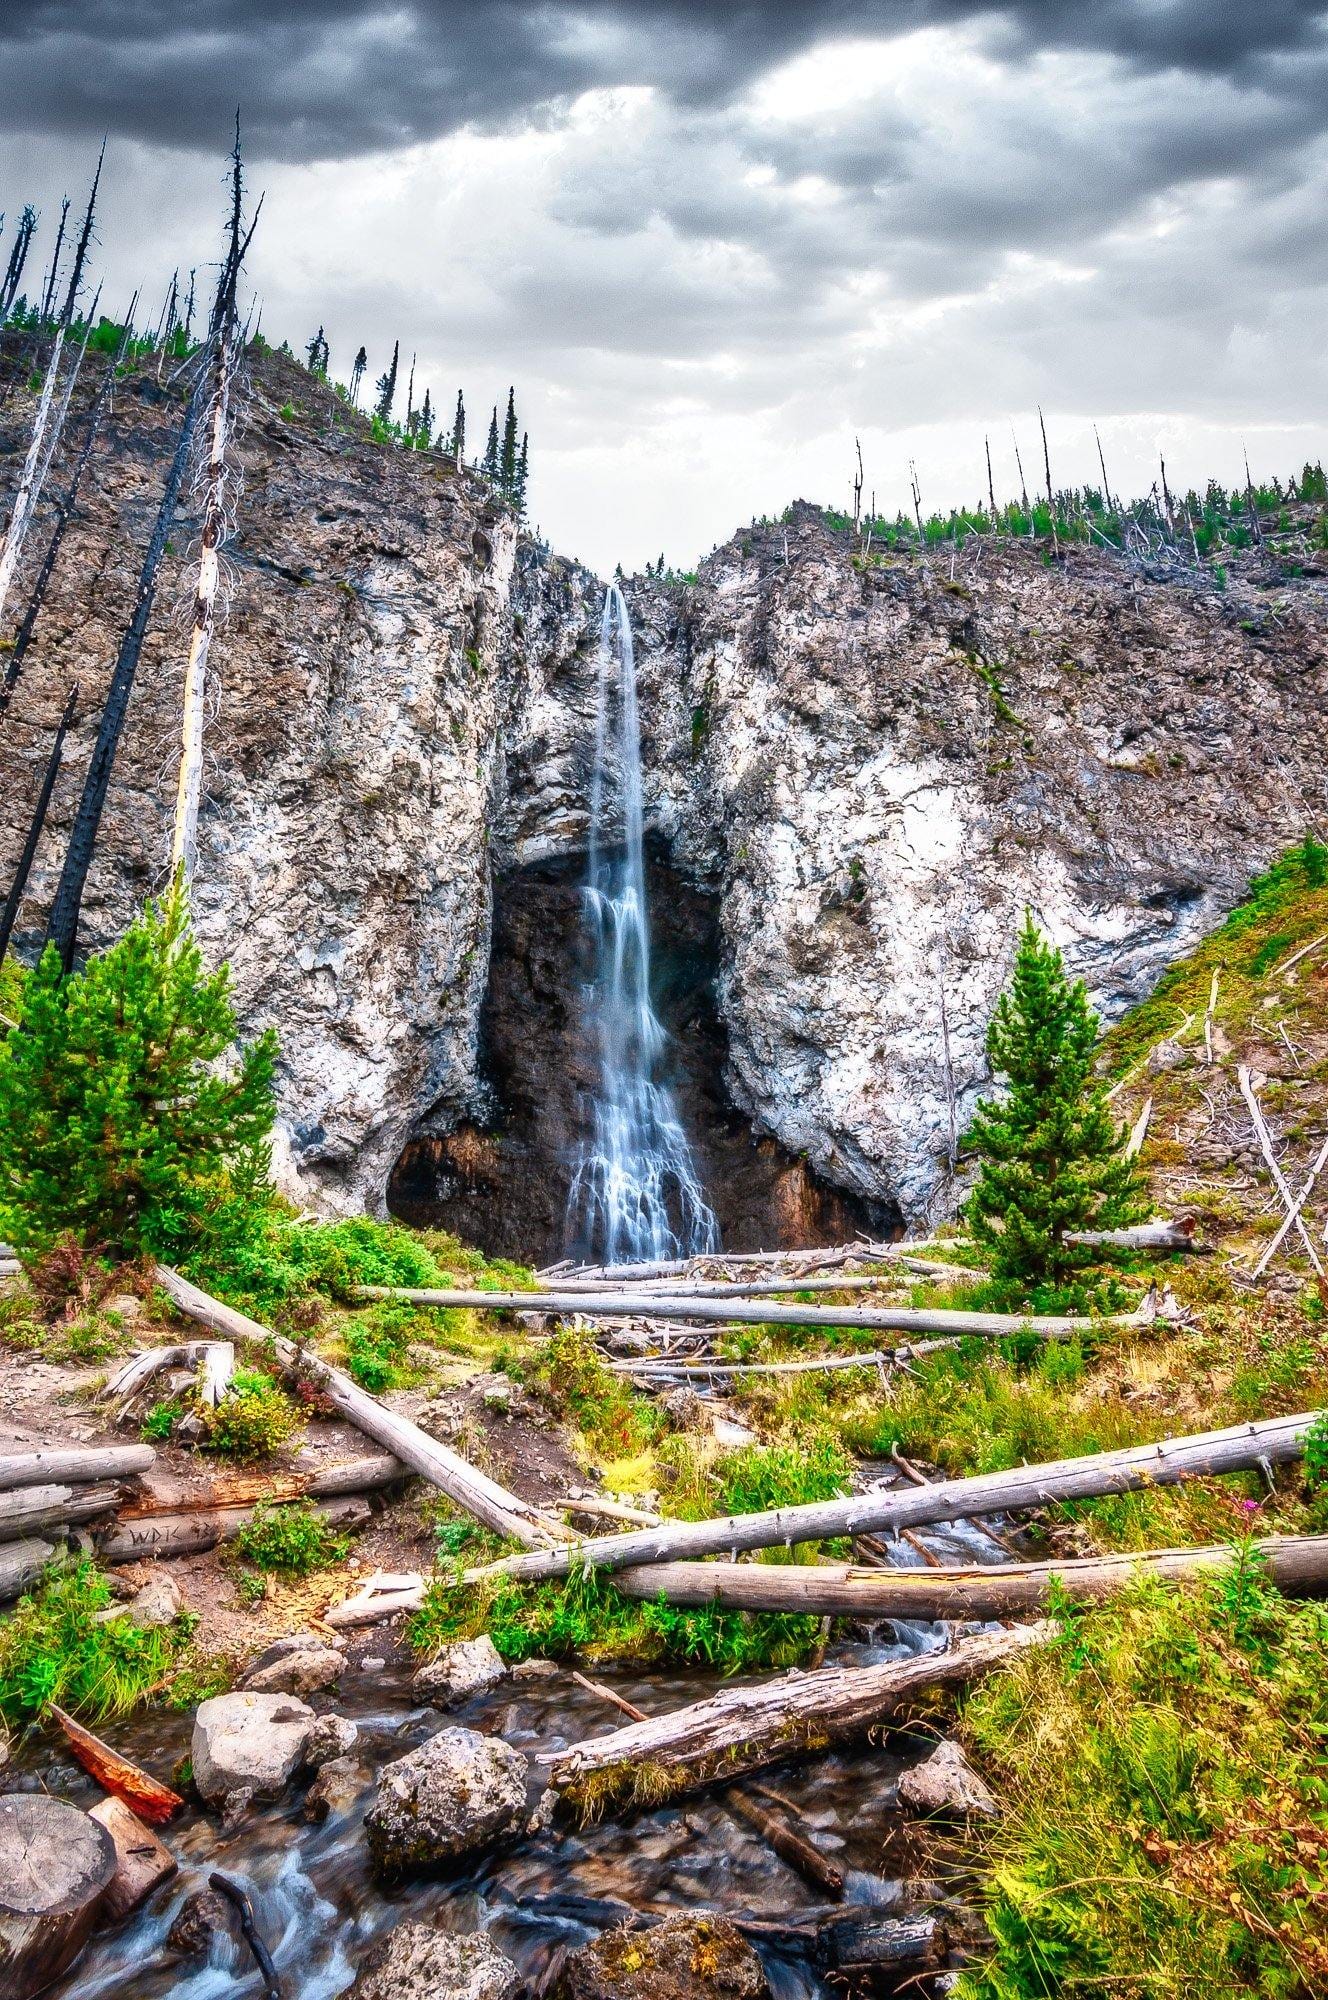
[53,1648]
[573,1379]
[376,1346]
[161,1420]
[124,1105]
[292,1540]
[252,1420]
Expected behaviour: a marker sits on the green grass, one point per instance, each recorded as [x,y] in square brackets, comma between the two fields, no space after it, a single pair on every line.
[1165,1794]
[52,1648]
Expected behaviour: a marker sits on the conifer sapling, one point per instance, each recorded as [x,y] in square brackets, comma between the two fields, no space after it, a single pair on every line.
[1053,1160]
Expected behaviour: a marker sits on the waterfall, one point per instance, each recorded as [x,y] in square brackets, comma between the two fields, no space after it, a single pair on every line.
[636,1194]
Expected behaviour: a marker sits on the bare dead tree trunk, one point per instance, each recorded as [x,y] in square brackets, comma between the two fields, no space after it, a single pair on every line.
[9,916]
[62,930]
[48,296]
[991,488]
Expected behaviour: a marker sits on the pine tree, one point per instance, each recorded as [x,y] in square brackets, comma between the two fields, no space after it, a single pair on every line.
[508,457]
[126,1121]
[459,430]
[317,354]
[424,428]
[1052,1159]
[522,473]
[489,465]
[357,376]
[410,397]
[387,387]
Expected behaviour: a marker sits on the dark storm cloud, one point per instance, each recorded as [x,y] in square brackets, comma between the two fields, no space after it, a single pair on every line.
[338,78]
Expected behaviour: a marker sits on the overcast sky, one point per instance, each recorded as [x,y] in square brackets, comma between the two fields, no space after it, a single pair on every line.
[709,244]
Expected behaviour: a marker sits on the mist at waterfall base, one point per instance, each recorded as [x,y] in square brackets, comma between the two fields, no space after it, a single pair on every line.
[636,1194]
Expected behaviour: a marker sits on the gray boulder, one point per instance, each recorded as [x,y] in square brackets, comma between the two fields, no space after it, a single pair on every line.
[946,1783]
[684,1958]
[302,1664]
[459,1671]
[331,1736]
[458,1794]
[248,1742]
[419,1963]
[335,1790]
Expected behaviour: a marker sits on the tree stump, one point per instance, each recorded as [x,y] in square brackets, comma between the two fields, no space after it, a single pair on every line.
[56,1865]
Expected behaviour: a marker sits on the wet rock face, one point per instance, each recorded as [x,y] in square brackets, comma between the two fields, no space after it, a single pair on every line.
[504,1184]
[458,1794]
[878,766]
[684,1958]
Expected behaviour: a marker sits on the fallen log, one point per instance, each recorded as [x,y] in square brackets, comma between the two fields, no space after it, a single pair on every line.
[481,1496]
[21,1563]
[216,1358]
[78,1466]
[140,1536]
[163,1495]
[381,1597]
[142,1861]
[56,1865]
[140,1791]
[749,1288]
[782,1839]
[678,1267]
[624,1305]
[1297,1564]
[1142,1236]
[1244,1447]
[36,1510]
[664,1369]
[609,1510]
[745,1729]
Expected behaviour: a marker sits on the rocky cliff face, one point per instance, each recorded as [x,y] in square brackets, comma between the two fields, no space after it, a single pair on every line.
[880,762]
[871,765]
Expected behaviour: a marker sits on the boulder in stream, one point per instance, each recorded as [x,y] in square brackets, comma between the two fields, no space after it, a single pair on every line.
[419,1963]
[332,1736]
[200,1917]
[457,1795]
[684,1958]
[301,1665]
[335,1790]
[946,1784]
[248,1742]
[460,1670]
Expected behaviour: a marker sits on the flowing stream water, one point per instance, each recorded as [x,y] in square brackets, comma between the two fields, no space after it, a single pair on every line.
[636,1194]
[320,1909]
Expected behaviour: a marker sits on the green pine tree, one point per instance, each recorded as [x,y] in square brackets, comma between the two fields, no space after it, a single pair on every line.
[507,461]
[129,1116]
[458,440]
[387,387]
[489,465]
[1052,1158]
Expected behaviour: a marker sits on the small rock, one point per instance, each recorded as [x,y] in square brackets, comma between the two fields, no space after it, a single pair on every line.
[684,1958]
[235,1806]
[419,1963]
[158,1603]
[685,1410]
[301,1672]
[496,1394]
[335,1789]
[248,1741]
[125,1306]
[331,1736]
[458,1672]
[534,1670]
[458,1794]
[200,1918]
[372,1663]
[293,1642]
[946,1783]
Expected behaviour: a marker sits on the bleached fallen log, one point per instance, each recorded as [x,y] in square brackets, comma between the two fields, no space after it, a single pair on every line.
[609,1510]
[481,1496]
[1290,964]
[21,1563]
[664,1369]
[744,1729]
[1158,1235]
[137,1537]
[1297,1564]
[835,1938]
[216,1358]
[1134,1145]
[74,1467]
[676,1267]
[745,1288]
[36,1510]
[143,1862]
[904,1319]
[381,1597]
[1242,1448]
[1293,1214]
[1265,1138]
[162,1495]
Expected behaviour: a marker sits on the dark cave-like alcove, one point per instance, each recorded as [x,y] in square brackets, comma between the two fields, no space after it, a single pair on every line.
[504,1186]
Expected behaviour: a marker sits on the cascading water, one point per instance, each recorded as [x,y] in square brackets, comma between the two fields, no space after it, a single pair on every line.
[636,1194]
